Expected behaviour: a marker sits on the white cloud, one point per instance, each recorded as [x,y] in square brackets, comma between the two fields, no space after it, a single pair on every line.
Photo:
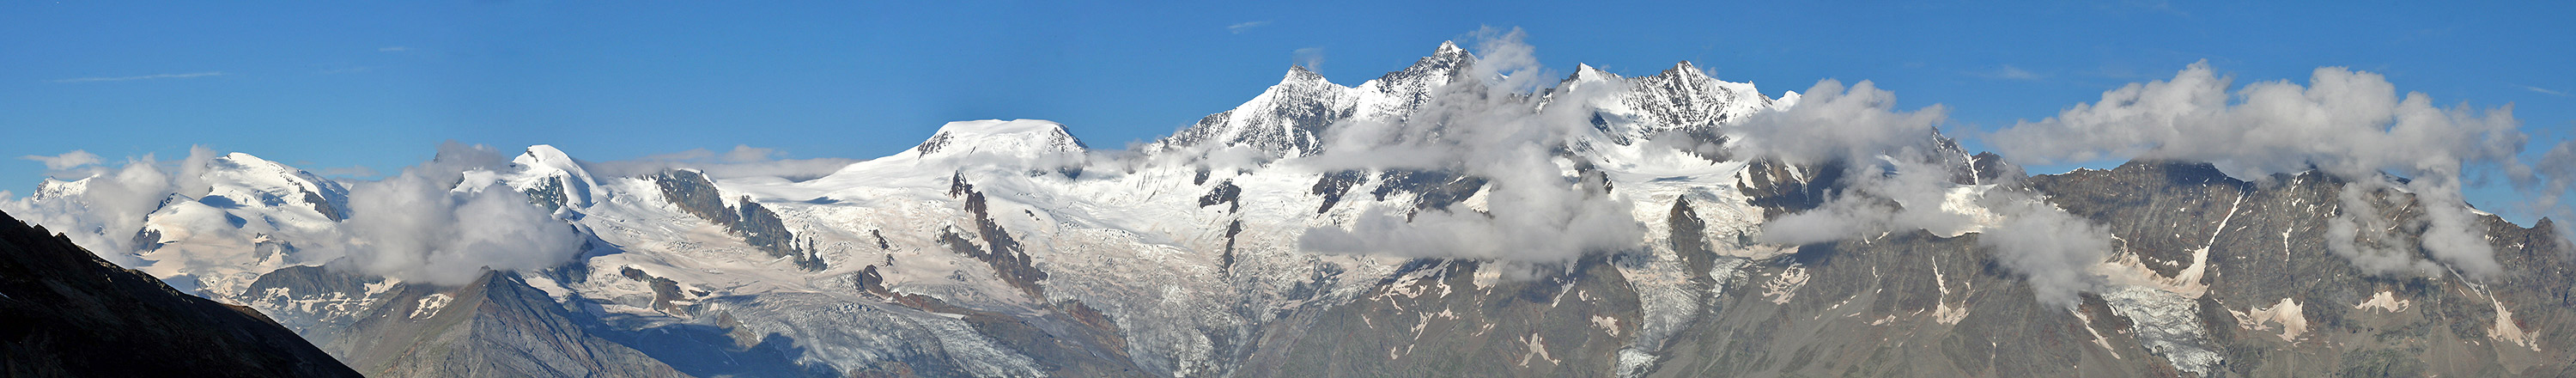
[1533,213]
[1312,58]
[1240,27]
[1833,123]
[144,77]
[105,215]
[2550,189]
[67,160]
[428,224]
[2353,125]
[747,153]
[2546,91]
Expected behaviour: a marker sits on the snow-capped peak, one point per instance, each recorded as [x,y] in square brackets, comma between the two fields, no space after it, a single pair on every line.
[1442,64]
[1027,139]
[546,155]
[1586,74]
[1449,49]
[552,174]
[1299,74]
[242,177]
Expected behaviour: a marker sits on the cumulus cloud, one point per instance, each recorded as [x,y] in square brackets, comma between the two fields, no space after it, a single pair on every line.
[2353,125]
[2550,189]
[442,222]
[432,224]
[1833,123]
[106,207]
[740,162]
[1896,182]
[67,160]
[1487,127]
[1897,178]
[2047,246]
[105,213]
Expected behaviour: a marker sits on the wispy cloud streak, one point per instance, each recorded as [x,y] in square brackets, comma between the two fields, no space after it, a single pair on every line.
[1239,28]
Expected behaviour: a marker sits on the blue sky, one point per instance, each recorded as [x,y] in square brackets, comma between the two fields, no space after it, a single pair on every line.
[379,84]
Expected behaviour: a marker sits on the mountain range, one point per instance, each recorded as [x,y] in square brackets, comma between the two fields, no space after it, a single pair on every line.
[1459,217]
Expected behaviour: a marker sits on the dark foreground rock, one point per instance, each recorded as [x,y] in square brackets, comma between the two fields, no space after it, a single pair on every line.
[66,313]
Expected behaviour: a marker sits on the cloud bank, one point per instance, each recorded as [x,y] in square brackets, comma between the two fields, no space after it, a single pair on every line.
[1488,126]
[2353,125]
[1898,179]
[434,224]
[67,160]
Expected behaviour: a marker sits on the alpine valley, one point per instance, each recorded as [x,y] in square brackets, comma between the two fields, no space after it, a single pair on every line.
[1459,217]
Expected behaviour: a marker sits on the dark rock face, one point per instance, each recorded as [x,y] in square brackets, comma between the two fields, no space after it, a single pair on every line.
[497,326]
[314,301]
[65,312]
[1225,193]
[2276,303]
[1435,319]
[1336,184]
[999,250]
[664,289]
[694,194]
[549,194]
[757,226]
[1432,190]
[2267,247]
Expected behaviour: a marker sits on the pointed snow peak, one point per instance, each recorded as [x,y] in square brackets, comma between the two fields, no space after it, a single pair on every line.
[552,178]
[1586,73]
[1684,69]
[1447,59]
[1299,74]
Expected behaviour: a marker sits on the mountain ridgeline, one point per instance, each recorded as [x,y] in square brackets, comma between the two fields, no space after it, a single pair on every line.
[1424,223]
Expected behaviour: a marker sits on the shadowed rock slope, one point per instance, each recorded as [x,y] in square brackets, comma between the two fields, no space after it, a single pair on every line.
[496,326]
[64,312]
